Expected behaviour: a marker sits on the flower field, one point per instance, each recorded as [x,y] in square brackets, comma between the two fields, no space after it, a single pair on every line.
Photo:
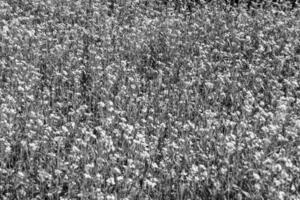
[132,101]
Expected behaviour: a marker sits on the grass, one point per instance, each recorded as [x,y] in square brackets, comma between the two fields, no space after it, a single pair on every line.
[148,103]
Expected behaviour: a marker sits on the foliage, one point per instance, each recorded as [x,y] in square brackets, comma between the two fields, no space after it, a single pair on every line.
[138,102]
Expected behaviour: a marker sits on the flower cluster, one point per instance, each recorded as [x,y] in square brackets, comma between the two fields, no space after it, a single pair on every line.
[131,100]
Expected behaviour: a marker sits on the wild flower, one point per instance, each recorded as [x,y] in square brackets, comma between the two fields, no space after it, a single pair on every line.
[127,101]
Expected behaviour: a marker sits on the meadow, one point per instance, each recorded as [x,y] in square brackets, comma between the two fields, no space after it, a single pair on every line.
[136,101]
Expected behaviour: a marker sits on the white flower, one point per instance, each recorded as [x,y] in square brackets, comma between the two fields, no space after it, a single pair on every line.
[297,124]
[111,181]
[110,103]
[150,183]
[282,107]
[209,85]
[257,186]
[277,167]
[111,197]
[256,176]
[116,170]
[185,127]
[194,168]
[224,170]
[21,175]
[44,175]
[87,176]
[8,149]
[231,146]
[130,128]
[281,195]
[65,129]
[277,182]
[101,104]
[33,146]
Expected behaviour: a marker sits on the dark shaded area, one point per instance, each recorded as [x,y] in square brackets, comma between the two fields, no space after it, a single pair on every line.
[189,4]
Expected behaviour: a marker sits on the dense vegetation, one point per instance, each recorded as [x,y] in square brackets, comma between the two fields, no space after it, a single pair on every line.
[139,101]
[249,4]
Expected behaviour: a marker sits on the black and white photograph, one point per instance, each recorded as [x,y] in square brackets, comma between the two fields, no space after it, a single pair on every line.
[149,99]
